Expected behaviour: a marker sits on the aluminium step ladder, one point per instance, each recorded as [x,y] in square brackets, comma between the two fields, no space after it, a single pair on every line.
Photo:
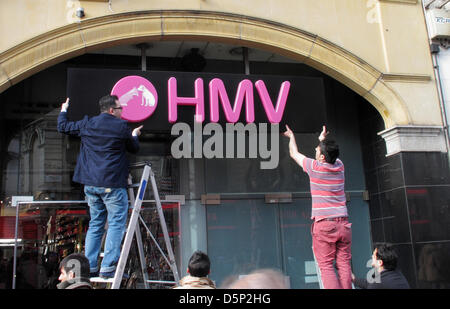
[134,230]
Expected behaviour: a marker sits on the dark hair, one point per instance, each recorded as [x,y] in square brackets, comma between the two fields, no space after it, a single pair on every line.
[107,102]
[73,261]
[330,150]
[199,264]
[388,255]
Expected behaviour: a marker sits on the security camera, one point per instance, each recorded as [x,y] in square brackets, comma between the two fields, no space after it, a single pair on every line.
[80,12]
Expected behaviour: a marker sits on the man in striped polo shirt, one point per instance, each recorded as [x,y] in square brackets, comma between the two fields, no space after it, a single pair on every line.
[331,231]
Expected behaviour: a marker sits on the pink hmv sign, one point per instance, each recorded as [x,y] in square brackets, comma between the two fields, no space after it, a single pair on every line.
[137,96]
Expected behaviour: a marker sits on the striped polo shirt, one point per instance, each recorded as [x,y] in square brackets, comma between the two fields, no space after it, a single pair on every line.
[327,189]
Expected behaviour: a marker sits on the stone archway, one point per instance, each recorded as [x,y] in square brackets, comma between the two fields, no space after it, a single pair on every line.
[76,39]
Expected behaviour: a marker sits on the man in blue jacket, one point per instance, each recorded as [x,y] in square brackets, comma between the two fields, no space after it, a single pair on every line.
[102,167]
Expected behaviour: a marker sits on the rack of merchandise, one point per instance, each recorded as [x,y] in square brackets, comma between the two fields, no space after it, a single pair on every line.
[54,229]
[66,232]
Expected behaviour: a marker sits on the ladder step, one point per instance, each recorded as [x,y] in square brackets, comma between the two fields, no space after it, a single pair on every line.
[161,282]
[140,164]
[134,185]
[102,280]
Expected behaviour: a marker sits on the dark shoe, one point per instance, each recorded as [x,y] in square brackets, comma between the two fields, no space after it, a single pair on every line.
[110,275]
[93,275]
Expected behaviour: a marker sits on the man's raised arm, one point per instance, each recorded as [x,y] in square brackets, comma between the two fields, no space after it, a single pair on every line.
[68,127]
[293,150]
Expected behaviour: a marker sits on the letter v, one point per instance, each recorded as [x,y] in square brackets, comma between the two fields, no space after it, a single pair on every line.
[273,114]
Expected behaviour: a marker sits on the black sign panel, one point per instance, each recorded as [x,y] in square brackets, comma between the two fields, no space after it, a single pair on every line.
[305,109]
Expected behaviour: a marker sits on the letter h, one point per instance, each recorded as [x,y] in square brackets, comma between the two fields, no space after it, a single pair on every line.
[174,100]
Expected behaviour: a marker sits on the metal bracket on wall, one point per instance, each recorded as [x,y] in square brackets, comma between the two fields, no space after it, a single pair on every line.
[366,196]
[276,198]
[179,198]
[210,199]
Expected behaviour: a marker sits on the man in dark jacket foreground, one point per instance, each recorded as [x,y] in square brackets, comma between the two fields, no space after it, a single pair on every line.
[74,272]
[102,167]
[386,275]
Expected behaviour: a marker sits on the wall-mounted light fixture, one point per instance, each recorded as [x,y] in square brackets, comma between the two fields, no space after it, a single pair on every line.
[80,12]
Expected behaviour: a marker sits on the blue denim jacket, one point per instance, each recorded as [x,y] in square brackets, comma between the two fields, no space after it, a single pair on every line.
[102,161]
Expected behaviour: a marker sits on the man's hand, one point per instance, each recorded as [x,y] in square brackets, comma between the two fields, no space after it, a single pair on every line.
[65,105]
[288,132]
[137,131]
[323,134]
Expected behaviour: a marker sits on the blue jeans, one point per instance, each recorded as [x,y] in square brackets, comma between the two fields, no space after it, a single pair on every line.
[105,204]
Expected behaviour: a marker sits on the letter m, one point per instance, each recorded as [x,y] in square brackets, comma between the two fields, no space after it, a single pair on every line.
[245,89]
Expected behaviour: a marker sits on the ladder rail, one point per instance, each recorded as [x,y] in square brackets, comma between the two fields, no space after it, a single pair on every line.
[131,229]
[138,238]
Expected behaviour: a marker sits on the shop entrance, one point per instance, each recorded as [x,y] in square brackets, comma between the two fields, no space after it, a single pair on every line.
[270,234]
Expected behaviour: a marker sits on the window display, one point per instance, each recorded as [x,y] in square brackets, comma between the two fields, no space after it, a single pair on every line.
[40,165]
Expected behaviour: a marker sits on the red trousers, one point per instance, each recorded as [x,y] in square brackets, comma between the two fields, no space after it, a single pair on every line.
[332,241]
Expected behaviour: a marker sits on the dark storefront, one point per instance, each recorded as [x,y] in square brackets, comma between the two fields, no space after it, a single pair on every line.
[244,217]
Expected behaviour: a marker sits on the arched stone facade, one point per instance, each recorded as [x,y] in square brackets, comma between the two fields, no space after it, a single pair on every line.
[76,39]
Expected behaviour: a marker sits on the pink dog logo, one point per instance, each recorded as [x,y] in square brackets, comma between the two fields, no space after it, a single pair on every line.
[137,96]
